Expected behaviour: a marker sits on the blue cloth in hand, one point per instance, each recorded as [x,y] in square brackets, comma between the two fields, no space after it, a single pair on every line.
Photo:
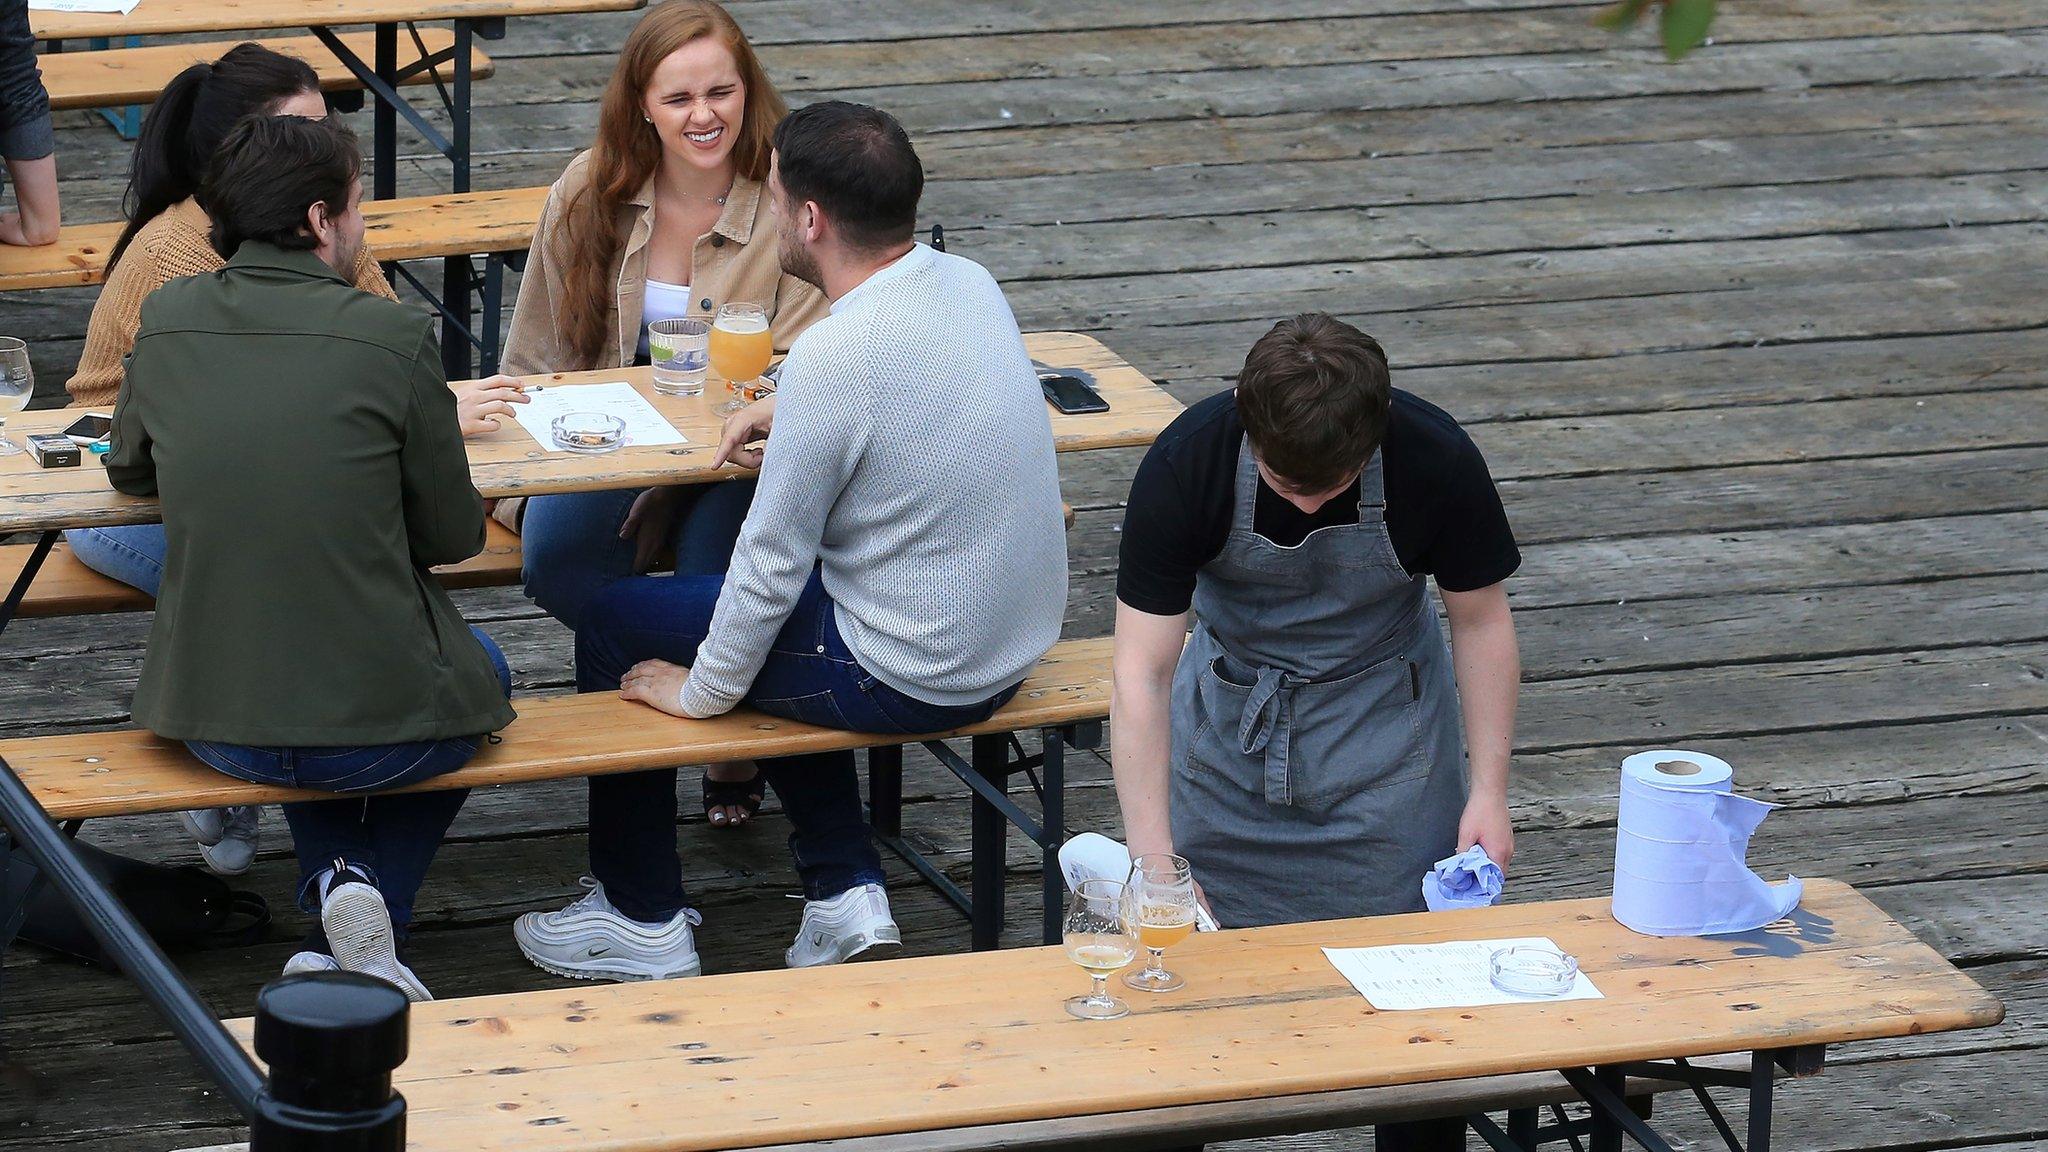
[1468,880]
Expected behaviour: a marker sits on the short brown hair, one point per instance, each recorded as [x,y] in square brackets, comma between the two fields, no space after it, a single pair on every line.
[1314,397]
[269,170]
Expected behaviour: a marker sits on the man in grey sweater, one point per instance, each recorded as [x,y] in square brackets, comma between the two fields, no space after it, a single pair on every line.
[902,569]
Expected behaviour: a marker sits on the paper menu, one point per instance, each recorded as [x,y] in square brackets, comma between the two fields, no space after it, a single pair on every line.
[1454,974]
[645,425]
[115,7]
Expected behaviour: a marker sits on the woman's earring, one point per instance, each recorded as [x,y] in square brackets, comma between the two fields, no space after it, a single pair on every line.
[649,119]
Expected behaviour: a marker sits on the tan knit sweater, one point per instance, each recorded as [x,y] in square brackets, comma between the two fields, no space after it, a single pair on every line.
[172,245]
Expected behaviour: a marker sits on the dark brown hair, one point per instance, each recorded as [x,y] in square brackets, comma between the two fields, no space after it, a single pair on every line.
[627,152]
[1314,397]
[269,170]
[855,162]
[190,118]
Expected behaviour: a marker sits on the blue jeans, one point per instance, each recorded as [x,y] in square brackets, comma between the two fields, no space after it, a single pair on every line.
[572,546]
[389,838]
[134,554]
[810,676]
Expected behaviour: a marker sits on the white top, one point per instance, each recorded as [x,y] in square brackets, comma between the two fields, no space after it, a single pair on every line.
[662,301]
[912,463]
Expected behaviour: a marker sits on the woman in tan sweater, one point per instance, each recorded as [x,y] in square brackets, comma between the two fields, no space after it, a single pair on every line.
[667,215]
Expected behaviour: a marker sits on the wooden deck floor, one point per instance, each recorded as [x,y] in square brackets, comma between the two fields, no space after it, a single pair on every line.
[1757,345]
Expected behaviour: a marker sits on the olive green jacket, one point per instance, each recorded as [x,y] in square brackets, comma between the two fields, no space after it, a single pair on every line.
[303,444]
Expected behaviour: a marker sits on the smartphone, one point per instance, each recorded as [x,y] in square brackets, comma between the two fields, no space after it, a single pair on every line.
[1071,394]
[90,428]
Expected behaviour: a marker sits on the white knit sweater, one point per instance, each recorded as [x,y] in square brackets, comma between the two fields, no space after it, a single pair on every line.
[912,462]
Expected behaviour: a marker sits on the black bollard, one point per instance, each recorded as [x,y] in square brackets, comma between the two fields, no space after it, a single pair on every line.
[331,1040]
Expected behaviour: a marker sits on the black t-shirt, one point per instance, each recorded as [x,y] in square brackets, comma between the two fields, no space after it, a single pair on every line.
[1443,513]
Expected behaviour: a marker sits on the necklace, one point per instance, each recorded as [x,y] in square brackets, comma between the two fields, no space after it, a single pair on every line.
[718,200]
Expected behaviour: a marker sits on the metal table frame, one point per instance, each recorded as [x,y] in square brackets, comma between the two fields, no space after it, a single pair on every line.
[382,77]
[1611,1118]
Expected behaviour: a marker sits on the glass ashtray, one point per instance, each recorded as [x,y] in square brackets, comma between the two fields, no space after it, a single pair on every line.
[588,432]
[1527,970]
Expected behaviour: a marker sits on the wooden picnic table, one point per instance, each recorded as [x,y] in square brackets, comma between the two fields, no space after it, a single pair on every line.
[509,462]
[380,75]
[825,1054]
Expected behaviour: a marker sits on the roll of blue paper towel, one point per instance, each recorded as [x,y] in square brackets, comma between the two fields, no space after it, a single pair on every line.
[1680,842]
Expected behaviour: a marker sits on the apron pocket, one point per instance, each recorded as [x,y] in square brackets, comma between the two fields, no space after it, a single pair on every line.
[1213,747]
[1356,734]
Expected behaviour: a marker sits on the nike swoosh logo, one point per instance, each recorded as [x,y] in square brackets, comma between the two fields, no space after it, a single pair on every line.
[596,952]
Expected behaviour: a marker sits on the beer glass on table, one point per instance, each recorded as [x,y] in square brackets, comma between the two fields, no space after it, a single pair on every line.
[17,386]
[741,348]
[1098,938]
[1159,901]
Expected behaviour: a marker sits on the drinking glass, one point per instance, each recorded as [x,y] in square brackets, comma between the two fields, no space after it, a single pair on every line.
[676,349]
[17,385]
[1098,938]
[741,348]
[1159,901]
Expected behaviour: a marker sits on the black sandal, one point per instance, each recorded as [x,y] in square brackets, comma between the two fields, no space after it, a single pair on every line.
[745,795]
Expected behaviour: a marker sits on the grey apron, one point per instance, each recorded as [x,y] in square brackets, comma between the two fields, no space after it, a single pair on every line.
[1318,755]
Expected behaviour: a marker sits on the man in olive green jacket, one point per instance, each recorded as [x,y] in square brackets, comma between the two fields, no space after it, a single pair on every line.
[305,450]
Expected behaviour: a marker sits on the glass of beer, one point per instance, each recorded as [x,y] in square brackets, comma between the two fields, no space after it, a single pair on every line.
[17,385]
[1159,901]
[1098,938]
[741,348]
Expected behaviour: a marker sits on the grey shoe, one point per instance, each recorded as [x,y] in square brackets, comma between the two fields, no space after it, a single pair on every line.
[358,927]
[233,851]
[836,930]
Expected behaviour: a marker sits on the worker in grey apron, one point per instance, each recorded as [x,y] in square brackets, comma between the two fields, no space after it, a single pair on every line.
[1318,764]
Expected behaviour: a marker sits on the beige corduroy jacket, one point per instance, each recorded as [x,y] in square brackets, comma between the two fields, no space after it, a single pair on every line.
[735,262]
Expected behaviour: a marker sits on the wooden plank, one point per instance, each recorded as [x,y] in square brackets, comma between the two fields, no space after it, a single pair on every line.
[407,229]
[65,587]
[933,1049]
[108,773]
[177,17]
[1179,45]
[509,463]
[1781,560]
[777,22]
[112,77]
[1342,133]
[1592,219]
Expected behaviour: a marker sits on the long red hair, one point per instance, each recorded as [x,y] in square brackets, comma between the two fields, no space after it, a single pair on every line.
[627,152]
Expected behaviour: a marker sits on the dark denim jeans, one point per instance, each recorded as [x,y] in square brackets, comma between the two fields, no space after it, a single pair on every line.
[573,551]
[809,676]
[391,839]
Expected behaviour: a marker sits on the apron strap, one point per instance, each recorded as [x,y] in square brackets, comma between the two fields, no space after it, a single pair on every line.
[1264,728]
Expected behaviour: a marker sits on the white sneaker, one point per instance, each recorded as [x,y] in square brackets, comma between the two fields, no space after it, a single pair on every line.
[358,927]
[227,836]
[591,940]
[836,930]
[311,962]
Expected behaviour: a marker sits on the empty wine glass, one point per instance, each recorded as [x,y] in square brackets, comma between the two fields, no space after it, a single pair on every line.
[17,386]
[1098,938]
[1159,901]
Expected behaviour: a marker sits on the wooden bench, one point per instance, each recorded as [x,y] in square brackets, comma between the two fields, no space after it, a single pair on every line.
[66,587]
[957,1052]
[495,225]
[112,77]
[411,228]
[125,773]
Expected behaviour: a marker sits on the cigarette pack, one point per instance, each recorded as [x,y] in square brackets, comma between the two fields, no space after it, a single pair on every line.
[53,451]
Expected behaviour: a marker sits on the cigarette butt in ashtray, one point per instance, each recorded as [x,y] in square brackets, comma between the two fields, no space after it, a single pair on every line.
[1093,856]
